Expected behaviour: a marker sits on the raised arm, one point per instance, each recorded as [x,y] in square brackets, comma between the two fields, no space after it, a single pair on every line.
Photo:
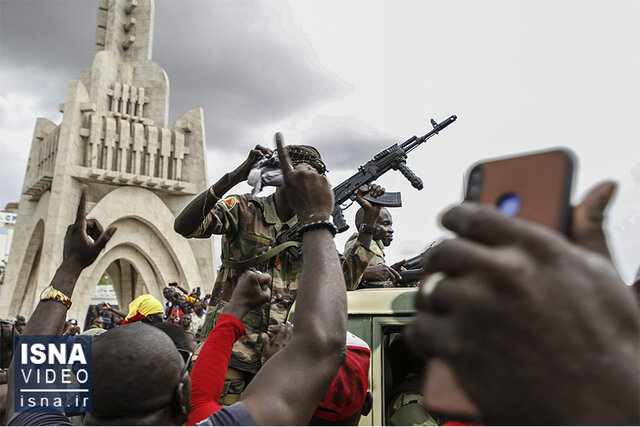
[371,211]
[84,241]
[317,348]
[188,221]
[107,306]
[183,290]
[208,374]
[570,333]
[354,262]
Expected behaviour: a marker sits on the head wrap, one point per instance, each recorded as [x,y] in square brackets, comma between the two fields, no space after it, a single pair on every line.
[142,307]
[266,171]
[348,390]
[306,154]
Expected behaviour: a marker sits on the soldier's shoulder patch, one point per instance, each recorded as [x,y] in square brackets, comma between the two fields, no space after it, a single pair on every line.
[230,201]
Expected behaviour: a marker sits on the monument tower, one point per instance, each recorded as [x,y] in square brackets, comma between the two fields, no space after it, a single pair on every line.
[114,136]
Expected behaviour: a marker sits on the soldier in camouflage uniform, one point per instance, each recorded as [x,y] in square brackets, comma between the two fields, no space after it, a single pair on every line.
[249,226]
[404,401]
[406,407]
[382,232]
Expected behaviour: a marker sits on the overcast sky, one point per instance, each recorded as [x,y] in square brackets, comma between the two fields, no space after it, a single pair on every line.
[352,77]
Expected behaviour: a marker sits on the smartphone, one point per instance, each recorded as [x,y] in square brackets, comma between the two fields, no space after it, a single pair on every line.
[535,187]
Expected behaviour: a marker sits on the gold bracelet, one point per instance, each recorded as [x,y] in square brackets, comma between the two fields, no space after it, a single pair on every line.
[51,293]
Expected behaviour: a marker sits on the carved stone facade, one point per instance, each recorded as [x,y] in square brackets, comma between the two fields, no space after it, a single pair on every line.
[114,136]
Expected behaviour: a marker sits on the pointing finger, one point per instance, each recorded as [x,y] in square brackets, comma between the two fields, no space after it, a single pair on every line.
[81,215]
[283,156]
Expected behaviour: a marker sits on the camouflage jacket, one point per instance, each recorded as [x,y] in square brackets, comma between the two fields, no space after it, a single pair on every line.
[375,247]
[250,226]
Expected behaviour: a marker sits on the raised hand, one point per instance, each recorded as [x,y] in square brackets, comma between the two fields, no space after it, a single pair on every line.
[399,266]
[371,211]
[277,342]
[309,193]
[251,292]
[85,239]
[242,172]
[69,330]
[528,320]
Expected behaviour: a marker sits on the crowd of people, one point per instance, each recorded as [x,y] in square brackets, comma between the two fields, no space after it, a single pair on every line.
[515,324]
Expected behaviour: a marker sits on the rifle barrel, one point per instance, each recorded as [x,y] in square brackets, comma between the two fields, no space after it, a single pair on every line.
[415,141]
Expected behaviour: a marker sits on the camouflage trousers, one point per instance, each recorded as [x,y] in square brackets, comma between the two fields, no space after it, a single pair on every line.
[235,383]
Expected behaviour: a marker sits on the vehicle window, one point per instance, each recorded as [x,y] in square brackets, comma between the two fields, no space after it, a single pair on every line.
[402,383]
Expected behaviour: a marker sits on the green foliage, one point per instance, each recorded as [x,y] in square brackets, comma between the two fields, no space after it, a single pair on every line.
[105,280]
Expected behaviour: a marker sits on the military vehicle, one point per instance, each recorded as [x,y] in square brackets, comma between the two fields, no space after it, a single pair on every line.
[378,316]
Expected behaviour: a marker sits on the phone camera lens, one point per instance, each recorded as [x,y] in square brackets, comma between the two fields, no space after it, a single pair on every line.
[509,204]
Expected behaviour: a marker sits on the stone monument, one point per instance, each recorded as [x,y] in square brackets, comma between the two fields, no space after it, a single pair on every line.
[114,136]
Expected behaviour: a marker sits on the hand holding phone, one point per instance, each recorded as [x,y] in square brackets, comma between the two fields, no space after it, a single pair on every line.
[535,187]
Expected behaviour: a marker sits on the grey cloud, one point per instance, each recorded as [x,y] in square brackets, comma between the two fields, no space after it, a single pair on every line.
[11,175]
[245,65]
[54,35]
[346,142]
[31,84]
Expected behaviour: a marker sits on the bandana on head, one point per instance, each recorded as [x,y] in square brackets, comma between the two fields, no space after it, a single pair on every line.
[266,171]
[142,307]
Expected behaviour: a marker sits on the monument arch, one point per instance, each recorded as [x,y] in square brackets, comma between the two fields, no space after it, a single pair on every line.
[114,137]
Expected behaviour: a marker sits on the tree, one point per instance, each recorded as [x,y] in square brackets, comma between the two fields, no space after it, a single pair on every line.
[105,280]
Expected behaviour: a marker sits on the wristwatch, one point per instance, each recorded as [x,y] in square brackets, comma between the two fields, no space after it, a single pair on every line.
[366,228]
[52,293]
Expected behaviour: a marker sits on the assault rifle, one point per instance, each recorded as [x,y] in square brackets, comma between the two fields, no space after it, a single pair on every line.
[413,271]
[405,277]
[416,262]
[394,157]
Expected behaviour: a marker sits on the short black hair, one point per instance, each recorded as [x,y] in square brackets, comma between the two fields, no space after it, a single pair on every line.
[360,215]
[144,363]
